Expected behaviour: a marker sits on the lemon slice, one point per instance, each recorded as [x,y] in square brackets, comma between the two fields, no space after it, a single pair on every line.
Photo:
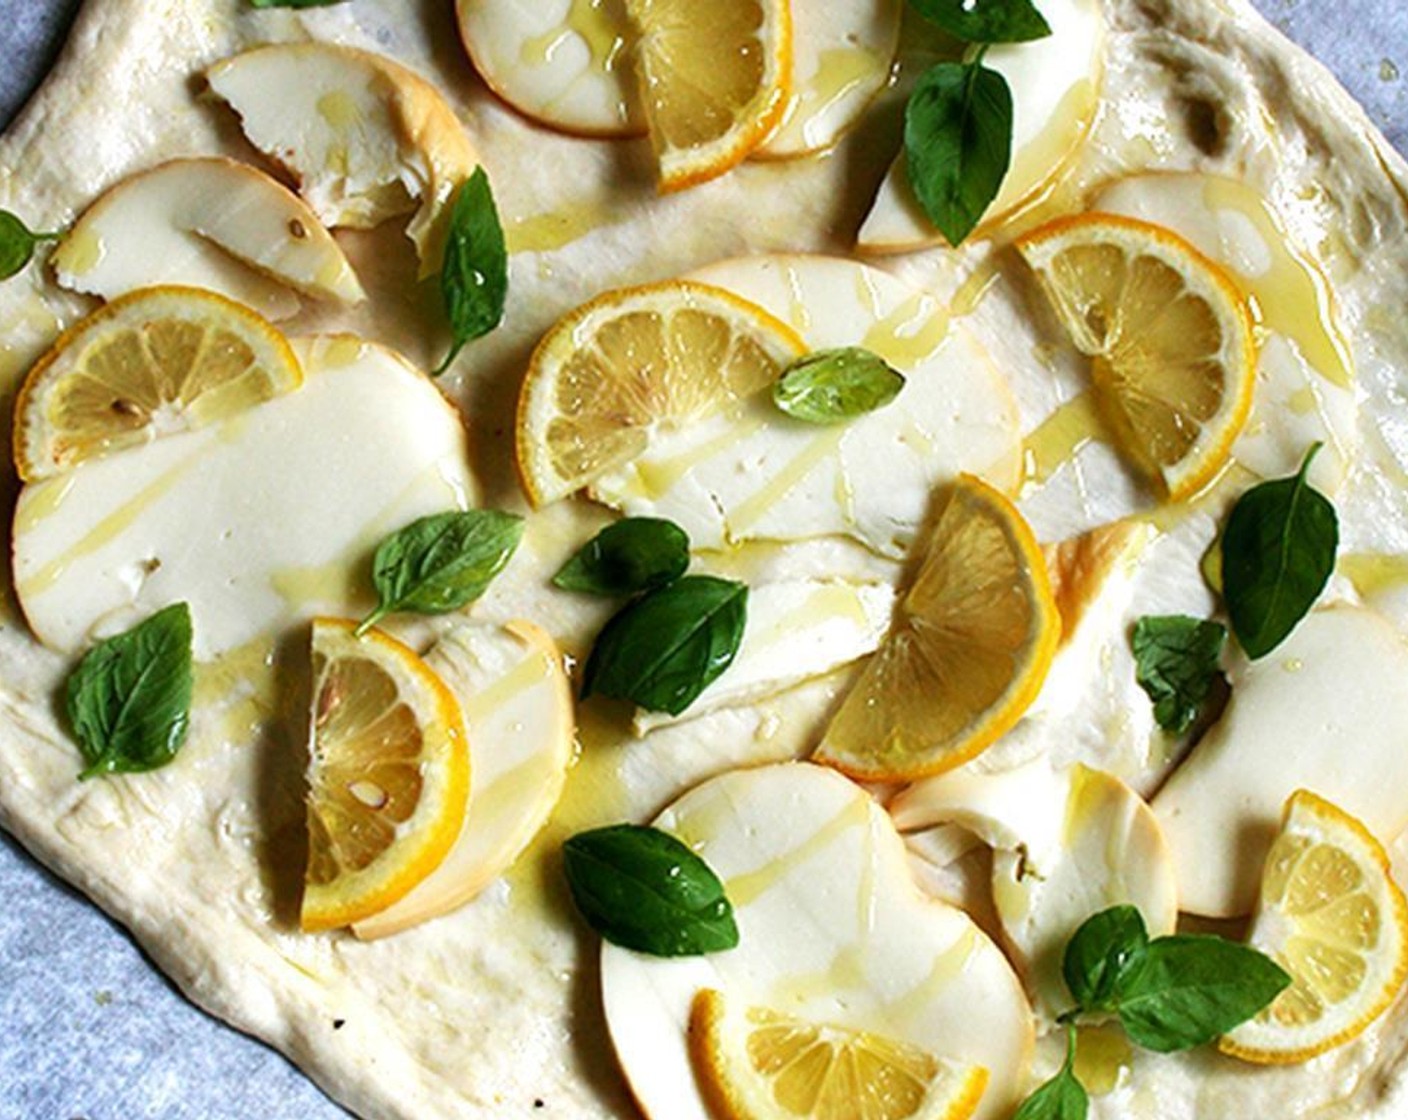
[1331,915]
[388,775]
[157,361]
[713,89]
[967,653]
[632,361]
[759,1064]
[1170,334]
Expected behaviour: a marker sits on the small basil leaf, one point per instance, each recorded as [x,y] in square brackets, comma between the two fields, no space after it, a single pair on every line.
[985,21]
[634,554]
[958,143]
[834,385]
[17,242]
[441,562]
[129,699]
[663,650]
[474,274]
[1278,551]
[642,889]
[1061,1098]
[1176,661]
[1186,990]
[1100,952]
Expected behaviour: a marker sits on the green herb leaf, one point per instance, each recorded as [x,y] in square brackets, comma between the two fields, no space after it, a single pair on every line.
[634,554]
[1061,1098]
[835,385]
[663,650]
[474,275]
[958,143]
[986,21]
[129,699]
[1176,661]
[642,889]
[1105,947]
[441,562]
[294,3]
[17,242]
[1186,990]
[1278,550]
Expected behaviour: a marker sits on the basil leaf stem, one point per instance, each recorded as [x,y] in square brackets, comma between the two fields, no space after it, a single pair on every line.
[664,649]
[1061,1098]
[985,21]
[1278,550]
[1176,661]
[441,562]
[631,555]
[1100,953]
[831,386]
[17,243]
[642,889]
[958,143]
[129,699]
[474,273]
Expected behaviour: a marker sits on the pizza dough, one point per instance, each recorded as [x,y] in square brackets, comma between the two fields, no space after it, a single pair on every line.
[488,1010]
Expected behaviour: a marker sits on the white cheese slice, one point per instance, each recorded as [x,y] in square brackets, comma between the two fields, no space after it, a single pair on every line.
[1325,711]
[259,521]
[206,223]
[831,929]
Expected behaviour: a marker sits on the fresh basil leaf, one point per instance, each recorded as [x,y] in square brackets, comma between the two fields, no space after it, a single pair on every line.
[1105,947]
[958,143]
[17,242]
[1278,551]
[474,274]
[634,554]
[1176,661]
[1061,1098]
[835,385]
[642,889]
[1186,990]
[441,562]
[985,21]
[294,3]
[664,649]
[129,699]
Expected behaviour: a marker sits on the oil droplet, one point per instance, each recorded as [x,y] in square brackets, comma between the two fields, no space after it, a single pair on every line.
[1101,1053]
[1388,71]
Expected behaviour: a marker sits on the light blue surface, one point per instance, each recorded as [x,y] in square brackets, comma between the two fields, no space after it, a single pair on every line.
[90,1029]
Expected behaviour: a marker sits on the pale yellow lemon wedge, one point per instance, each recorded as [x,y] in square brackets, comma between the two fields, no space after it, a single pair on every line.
[388,774]
[157,361]
[1169,334]
[757,1063]
[713,88]
[517,705]
[632,362]
[969,647]
[1331,915]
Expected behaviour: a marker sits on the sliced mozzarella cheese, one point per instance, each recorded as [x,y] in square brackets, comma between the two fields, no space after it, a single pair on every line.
[255,522]
[206,223]
[1325,711]
[1055,84]
[517,705]
[842,55]
[566,63]
[752,473]
[1066,845]
[831,929]
[366,138]
[1305,382]
[796,630]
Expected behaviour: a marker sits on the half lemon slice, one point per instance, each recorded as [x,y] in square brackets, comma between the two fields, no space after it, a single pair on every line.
[1331,915]
[159,360]
[388,774]
[758,1064]
[1170,335]
[967,652]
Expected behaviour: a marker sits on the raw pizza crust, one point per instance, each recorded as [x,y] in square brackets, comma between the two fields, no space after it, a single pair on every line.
[486,1011]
